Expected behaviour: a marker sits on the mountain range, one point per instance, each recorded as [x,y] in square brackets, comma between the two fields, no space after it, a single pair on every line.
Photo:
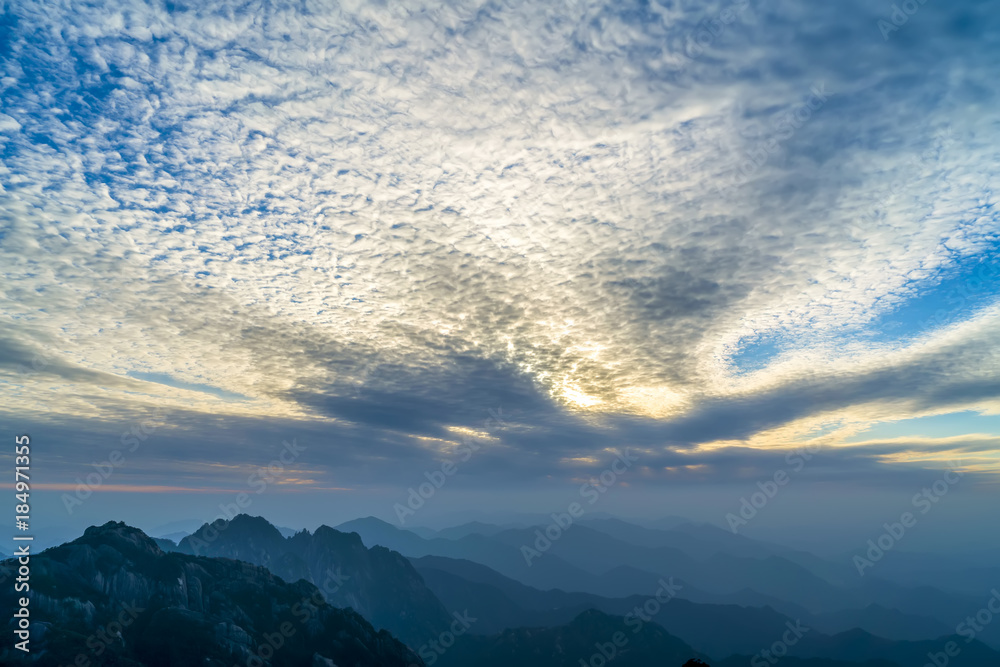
[713,566]
[114,597]
[378,583]
[378,595]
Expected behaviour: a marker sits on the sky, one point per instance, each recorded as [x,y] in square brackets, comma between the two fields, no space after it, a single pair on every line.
[521,237]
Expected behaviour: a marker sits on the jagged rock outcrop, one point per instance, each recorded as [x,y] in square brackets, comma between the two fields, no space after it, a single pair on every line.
[378,583]
[114,597]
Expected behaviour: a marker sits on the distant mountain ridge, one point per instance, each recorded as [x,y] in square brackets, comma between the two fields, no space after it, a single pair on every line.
[593,638]
[834,608]
[591,633]
[588,560]
[500,602]
[223,586]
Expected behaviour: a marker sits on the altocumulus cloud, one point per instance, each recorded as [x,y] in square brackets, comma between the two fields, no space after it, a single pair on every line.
[379,221]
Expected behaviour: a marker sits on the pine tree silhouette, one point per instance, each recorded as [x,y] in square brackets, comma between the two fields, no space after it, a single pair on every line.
[695,662]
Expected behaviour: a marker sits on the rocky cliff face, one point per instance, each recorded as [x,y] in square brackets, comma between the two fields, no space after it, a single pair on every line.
[378,583]
[114,597]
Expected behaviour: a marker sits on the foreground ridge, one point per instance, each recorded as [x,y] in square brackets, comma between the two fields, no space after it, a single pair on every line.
[114,597]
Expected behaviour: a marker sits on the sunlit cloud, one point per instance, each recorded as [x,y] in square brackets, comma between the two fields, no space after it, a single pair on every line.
[376,224]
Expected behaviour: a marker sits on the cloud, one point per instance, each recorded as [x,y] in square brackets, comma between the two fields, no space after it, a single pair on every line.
[387,220]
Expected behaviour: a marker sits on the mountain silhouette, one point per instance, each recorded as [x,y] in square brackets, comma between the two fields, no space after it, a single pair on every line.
[378,583]
[113,597]
[589,635]
[502,602]
[241,590]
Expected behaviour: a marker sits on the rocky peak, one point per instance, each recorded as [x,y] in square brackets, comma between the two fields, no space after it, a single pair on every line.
[124,538]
